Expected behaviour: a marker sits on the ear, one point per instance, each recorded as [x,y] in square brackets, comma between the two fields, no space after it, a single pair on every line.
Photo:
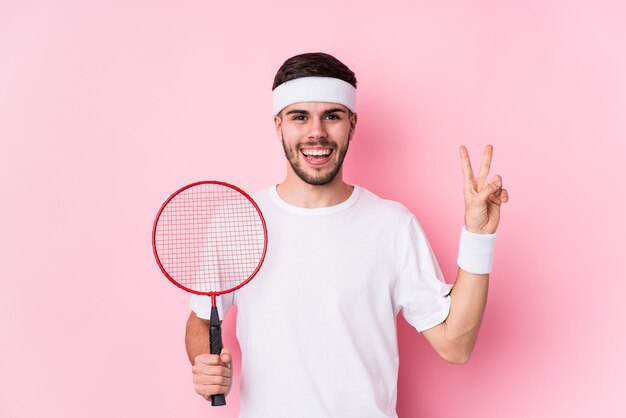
[353,120]
[278,126]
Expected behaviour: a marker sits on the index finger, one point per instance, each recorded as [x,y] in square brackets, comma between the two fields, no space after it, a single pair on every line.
[210,359]
[468,173]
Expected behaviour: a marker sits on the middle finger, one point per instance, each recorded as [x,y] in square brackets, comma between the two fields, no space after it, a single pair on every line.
[486,164]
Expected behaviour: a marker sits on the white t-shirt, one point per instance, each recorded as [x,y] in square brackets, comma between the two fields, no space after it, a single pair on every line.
[317,324]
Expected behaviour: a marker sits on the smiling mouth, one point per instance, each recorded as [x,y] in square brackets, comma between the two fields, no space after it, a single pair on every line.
[316,156]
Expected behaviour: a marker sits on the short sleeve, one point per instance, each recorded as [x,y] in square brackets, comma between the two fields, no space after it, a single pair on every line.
[201,305]
[421,292]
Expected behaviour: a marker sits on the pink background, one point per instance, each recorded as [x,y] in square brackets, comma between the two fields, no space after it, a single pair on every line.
[107,107]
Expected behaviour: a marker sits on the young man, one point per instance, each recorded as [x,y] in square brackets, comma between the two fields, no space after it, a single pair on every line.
[317,324]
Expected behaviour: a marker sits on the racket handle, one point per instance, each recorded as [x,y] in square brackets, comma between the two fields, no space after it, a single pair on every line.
[215,336]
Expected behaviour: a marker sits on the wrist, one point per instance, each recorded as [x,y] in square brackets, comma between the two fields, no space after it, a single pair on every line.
[476,251]
[475,229]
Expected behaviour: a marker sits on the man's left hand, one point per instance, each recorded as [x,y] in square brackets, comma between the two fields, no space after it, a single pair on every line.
[483,198]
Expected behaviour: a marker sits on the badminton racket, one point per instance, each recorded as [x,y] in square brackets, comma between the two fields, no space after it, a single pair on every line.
[210,238]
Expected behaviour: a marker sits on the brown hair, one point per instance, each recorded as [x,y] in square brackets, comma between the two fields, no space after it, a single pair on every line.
[314,64]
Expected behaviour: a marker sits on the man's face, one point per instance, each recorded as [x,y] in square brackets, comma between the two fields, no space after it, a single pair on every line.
[315,138]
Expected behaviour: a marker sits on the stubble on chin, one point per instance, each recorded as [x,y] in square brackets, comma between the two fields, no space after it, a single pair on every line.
[321,179]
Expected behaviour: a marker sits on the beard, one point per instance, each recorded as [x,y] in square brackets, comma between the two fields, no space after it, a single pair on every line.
[319,178]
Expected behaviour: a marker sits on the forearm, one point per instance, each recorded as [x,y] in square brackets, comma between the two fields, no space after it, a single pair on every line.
[467,306]
[196,337]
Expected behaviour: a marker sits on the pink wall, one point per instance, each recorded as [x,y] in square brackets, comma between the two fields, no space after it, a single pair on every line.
[106,107]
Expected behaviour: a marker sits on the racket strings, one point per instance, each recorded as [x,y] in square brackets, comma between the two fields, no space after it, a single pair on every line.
[210,238]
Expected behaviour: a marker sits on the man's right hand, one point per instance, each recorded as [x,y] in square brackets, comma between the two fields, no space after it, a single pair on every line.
[212,374]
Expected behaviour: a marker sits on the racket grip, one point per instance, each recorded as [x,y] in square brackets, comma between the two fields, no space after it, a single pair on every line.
[215,336]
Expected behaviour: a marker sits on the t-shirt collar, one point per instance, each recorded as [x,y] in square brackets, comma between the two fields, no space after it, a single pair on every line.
[276,199]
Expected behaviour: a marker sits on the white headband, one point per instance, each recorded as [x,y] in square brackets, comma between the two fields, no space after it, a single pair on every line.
[314,89]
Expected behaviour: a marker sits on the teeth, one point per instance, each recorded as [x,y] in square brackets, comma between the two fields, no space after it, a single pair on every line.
[316,152]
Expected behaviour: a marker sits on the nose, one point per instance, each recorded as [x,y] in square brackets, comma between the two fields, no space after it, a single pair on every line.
[316,129]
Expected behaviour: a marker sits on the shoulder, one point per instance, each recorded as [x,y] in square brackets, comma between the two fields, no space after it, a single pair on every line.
[262,197]
[384,207]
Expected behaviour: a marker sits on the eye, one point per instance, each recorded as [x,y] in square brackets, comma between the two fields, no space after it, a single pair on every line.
[333,116]
[298,117]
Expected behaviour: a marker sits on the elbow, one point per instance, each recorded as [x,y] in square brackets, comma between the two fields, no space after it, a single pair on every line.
[458,359]
[456,355]
[452,346]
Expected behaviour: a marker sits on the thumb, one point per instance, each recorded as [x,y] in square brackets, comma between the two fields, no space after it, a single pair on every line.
[225,355]
[490,188]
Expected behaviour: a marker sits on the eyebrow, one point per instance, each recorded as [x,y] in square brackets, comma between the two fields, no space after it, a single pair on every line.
[304,112]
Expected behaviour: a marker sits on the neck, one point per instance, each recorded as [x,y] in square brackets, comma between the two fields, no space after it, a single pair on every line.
[296,192]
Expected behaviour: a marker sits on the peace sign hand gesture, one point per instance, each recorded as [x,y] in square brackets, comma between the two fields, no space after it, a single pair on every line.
[482,198]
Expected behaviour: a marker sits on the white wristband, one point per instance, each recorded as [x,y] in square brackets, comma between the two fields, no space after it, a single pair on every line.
[476,252]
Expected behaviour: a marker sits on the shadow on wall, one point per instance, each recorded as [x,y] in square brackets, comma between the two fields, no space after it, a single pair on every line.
[372,161]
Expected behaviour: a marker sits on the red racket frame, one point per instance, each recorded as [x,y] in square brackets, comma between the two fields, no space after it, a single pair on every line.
[213,295]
